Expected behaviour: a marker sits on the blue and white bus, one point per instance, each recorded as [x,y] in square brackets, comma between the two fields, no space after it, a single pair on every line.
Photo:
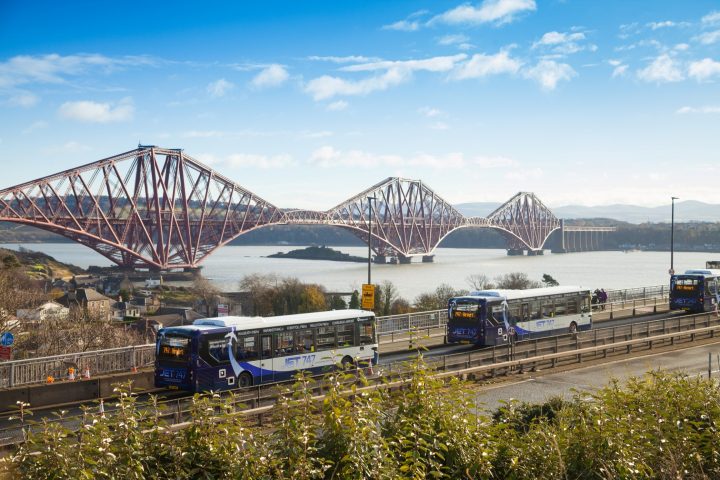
[695,291]
[494,317]
[229,352]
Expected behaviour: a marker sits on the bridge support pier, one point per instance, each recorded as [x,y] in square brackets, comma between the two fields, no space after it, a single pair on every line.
[404,260]
[514,252]
[428,258]
[381,259]
[532,253]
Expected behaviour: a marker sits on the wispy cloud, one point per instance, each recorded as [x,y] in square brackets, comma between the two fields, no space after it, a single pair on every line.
[481,65]
[712,18]
[23,99]
[564,43]
[54,68]
[704,109]
[330,157]
[453,39]
[337,106]
[708,38]
[94,112]
[410,24]
[548,73]
[663,69]
[40,124]
[429,112]
[219,88]
[265,162]
[271,76]
[704,69]
[489,11]
[664,24]
[345,59]
[395,73]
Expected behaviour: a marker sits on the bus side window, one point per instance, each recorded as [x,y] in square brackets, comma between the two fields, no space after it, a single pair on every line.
[247,349]
[304,341]
[284,343]
[325,338]
[345,335]
[572,306]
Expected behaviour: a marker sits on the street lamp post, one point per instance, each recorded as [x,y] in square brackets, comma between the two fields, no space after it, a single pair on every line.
[672,235]
[370,199]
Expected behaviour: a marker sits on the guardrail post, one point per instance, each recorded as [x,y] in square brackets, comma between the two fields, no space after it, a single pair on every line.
[11,380]
[611,311]
[633,313]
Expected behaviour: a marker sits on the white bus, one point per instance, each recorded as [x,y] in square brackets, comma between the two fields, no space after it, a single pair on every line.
[228,352]
[492,317]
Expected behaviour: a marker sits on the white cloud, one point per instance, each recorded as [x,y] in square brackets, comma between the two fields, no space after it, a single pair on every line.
[23,99]
[433,64]
[94,112]
[243,160]
[54,68]
[681,47]
[219,88]
[346,59]
[337,106]
[396,72]
[548,73]
[271,76]
[453,39]
[708,38]
[563,43]
[705,69]
[403,26]
[657,25]
[329,157]
[619,71]
[320,134]
[499,11]
[440,126]
[481,65]
[429,112]
[663,69]
[711,18]
[704,109]
[40,124]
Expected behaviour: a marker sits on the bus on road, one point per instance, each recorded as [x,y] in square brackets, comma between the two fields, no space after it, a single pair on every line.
[228,352]
[494,317]
[695,291]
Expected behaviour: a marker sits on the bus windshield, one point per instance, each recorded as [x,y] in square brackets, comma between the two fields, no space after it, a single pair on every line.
[687,286]
[174,347]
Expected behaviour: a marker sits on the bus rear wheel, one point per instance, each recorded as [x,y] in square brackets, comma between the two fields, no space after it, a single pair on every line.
[245,380]
[573,327]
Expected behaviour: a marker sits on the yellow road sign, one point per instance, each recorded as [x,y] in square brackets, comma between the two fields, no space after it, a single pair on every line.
[368,296]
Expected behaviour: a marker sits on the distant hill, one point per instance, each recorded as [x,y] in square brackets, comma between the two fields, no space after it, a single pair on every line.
[687,211]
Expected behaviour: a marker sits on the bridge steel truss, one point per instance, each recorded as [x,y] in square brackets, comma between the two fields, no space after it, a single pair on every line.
[160,209]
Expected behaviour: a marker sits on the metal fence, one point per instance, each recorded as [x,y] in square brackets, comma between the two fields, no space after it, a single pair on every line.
[99,362]
[104,362]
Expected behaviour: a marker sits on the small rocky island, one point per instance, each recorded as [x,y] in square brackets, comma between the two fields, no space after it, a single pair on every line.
[319,253]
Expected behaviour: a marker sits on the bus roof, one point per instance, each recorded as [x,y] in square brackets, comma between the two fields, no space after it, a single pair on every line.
[703,271]
[528,293]
[251,323]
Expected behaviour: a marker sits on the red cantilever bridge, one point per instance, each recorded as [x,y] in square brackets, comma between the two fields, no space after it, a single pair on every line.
[159,208]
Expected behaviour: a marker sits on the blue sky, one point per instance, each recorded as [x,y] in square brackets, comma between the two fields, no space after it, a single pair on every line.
[308,103]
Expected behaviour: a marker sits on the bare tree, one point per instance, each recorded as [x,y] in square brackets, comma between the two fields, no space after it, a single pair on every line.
[516,281]
[17,291]
[479,281]
[209,293]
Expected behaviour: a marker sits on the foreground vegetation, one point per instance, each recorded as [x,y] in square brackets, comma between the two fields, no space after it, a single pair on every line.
[659,426]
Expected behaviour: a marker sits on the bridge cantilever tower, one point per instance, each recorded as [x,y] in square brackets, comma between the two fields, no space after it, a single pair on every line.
[146,208]
[159,208]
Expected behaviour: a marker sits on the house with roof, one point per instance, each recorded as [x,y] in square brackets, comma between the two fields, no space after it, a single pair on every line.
[46,311]
[92,302]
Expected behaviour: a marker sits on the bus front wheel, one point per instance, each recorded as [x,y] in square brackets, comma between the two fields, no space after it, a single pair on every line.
[347,362]
[245,380]
[573,327]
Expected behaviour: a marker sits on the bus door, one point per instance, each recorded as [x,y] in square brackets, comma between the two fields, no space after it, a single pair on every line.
[266,358]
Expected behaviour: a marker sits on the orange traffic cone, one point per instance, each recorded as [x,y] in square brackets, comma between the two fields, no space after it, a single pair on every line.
[133,369]
[71,374]
[86,373]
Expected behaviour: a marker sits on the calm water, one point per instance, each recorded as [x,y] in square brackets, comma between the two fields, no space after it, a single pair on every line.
[453,266]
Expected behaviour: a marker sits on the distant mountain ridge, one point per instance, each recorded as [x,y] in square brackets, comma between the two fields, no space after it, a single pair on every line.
[685,211]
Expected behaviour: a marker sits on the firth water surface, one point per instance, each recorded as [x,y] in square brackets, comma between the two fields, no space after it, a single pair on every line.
[452,266]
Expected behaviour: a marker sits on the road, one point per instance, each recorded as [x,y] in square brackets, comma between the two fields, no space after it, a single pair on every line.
[538,387]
